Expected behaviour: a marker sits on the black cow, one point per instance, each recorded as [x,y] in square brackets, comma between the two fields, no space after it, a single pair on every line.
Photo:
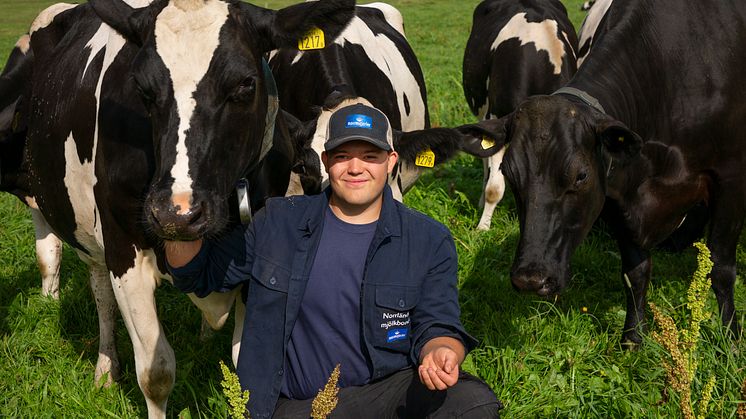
[370,59]
[138,130]
[650,128]
[515,50]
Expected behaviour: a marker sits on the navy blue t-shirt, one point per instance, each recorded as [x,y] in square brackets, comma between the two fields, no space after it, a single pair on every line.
[327,331]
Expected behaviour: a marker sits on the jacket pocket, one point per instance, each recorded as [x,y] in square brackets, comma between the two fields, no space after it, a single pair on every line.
[393,325]
[270,275]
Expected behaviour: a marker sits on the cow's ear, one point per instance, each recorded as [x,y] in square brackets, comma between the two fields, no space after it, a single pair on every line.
[617,139]
[285,27]
[134,24]
[485,138]
[482,140]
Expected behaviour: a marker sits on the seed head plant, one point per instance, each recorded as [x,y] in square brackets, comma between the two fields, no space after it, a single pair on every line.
[681,345]
[326,400]
[237,399]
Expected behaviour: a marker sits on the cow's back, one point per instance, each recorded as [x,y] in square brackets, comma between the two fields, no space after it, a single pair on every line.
[671,71]
[515,50]
[370,59]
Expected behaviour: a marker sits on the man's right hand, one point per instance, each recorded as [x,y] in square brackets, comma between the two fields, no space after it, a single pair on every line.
[179,253]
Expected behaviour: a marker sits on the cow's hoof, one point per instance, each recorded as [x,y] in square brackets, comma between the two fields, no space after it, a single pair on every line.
[629,344]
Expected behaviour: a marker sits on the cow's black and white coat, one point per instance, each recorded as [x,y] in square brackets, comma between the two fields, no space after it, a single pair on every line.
[370,59]
[649,129]
[515,50]
[138,129]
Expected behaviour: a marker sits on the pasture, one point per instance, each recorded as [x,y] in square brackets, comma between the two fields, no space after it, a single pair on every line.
[557,358]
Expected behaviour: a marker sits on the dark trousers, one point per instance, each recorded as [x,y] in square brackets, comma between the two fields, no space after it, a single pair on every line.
[402,395]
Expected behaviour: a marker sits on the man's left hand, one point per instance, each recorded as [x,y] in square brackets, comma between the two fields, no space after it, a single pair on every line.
[439,363]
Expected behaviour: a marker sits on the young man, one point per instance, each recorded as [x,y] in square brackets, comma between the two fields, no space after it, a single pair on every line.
[349,277]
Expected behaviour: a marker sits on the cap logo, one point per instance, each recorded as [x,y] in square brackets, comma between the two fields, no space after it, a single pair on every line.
[359,121]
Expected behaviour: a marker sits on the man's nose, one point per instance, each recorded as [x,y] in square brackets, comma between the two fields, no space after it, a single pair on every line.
[355,166]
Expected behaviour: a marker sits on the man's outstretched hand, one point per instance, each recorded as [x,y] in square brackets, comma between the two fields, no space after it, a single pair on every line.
[439,362]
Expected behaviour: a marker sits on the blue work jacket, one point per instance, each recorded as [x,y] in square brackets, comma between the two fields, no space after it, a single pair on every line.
[409,287]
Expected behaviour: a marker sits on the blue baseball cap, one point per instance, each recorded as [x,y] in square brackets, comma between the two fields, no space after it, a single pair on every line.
[358,122]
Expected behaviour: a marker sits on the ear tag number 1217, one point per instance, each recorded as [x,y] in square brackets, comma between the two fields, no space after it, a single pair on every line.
[313,39]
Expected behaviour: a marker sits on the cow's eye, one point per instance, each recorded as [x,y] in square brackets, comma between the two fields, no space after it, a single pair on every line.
[245,90]
[580,178]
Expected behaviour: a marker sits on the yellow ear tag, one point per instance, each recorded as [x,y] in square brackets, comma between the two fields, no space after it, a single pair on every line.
[621,139]
[313,39]
[487,142]
[425,159]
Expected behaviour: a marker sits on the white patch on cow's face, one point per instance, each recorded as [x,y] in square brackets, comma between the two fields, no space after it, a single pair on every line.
[542,34]
[590,25]
[47,16]
[186,42]
[390,13]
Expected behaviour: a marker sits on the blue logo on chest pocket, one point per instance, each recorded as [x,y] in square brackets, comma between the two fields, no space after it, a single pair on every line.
[396,334]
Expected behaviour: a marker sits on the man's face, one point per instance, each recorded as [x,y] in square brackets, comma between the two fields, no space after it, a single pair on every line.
[358,172]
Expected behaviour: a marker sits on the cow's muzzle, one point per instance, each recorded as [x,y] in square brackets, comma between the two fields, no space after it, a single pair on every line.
[535,280]
[176,219]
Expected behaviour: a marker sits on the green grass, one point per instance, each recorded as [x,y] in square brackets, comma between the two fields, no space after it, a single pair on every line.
[543,359]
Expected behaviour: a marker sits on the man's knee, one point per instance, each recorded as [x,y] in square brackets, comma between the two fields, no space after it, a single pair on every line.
[473,398]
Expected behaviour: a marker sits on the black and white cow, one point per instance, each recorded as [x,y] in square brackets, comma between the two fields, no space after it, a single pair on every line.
[589,27]
[138,130]
[370,59]
[649,128]
[515,50]
[14,83]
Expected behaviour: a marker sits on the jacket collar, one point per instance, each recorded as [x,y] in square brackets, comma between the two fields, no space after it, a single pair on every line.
[389,223]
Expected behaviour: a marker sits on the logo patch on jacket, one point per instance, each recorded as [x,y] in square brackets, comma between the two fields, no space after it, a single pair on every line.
[396,334]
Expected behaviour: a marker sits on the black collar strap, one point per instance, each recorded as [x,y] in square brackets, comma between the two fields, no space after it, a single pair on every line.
[583,96]
[273,105]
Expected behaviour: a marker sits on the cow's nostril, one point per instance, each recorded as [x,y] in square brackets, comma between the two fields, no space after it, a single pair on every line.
[195,214]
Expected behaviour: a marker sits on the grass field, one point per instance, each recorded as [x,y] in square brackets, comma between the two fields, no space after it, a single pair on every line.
[543,359]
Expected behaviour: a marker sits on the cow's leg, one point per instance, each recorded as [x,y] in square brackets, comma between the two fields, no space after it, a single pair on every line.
[494,188]
[215,309]
[106,305]
[154,359]
[727,222]
[636,269]
[238,328]
[48,255]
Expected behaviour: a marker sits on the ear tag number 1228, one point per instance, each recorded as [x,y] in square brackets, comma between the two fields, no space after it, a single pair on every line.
[313,39]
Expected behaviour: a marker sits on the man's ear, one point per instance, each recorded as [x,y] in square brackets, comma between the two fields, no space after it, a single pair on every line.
[618,140]
[325,161]
[134,24]
[283,28]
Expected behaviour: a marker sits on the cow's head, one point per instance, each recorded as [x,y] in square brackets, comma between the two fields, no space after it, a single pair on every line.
[562,159]
[200,72]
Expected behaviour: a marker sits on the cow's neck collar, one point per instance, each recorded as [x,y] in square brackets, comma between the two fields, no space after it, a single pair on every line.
[582,95]
[273,105]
